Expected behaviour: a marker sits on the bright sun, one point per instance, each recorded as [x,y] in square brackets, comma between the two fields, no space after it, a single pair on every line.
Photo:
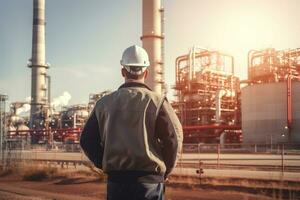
[245,31]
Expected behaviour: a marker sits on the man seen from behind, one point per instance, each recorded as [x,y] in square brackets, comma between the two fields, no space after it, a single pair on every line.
[133,134]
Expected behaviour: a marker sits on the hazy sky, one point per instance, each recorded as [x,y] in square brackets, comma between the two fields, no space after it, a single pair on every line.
[85,38]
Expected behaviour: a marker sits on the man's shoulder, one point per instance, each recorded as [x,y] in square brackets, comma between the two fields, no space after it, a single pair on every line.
[154,96]
[105,99]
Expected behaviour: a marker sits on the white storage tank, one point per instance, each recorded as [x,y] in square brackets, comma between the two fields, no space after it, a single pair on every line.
[264,113]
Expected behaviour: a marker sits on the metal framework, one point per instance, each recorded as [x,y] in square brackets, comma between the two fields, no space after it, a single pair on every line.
[208,94]
[270,65]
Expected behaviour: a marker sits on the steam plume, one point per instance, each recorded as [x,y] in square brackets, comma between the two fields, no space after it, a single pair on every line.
[62,100]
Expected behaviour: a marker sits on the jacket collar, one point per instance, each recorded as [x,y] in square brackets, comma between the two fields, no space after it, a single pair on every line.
[134,84]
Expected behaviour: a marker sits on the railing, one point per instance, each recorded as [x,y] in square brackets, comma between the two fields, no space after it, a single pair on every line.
[241,148]
[233,157]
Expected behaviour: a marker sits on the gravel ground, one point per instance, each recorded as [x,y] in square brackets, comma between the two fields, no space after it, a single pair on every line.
[92,191]
[13,196]
[89,188]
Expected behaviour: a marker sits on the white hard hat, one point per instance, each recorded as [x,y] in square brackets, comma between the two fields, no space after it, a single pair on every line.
[135,56]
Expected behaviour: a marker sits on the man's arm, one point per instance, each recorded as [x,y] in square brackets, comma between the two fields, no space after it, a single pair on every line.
[170,133]
[90,140]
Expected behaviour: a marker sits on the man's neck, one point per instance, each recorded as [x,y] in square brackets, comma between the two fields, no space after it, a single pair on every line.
[134,81]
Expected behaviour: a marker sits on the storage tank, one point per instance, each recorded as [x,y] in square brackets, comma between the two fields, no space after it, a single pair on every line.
[264,113]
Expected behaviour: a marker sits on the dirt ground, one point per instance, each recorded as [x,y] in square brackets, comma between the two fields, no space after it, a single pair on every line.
[12,188]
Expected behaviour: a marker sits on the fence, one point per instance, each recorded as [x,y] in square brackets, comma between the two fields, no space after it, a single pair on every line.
[211,156]
[220,165]
[241,148]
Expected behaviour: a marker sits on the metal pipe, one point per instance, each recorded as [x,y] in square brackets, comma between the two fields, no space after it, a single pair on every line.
[45,130]
[218,158]
[74,120]
[177,62]
[213,126]
[49,95]
[282,158]
[192,57]
[49,90]
[219,95]
[248,58]
[289,100]
[193,54]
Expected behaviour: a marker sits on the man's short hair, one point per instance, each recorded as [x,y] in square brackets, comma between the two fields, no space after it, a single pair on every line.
[134,72]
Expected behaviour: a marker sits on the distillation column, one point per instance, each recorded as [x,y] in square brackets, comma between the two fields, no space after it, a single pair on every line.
[153,42]
[38,65]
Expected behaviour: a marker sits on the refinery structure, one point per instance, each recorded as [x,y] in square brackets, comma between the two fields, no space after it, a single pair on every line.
[212,103]
[208,96]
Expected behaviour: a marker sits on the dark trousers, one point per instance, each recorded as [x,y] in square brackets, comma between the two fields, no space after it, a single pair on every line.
[135,191]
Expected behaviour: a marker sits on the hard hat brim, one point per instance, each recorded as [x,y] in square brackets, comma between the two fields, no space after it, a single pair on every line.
[135,64]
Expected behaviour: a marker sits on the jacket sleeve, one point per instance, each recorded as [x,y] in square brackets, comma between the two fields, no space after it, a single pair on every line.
[90,140]
[170,134]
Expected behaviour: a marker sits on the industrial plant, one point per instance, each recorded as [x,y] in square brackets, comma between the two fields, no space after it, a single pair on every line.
[241,135]
[212,103]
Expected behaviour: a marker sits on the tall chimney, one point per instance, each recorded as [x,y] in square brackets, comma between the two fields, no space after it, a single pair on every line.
[153,42]
[38,65]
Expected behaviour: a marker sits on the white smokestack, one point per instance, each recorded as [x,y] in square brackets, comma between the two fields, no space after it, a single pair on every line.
[38,64]
[152,39]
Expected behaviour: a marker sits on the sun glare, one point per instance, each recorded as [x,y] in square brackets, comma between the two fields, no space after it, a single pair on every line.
[244,31]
